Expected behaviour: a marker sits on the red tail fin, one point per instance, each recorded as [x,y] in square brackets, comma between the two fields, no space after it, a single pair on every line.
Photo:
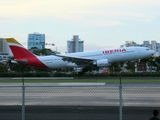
[22,55]
[18,50]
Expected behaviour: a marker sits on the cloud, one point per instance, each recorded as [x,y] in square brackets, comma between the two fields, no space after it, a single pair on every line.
[89,12]
[3,19]
[63,8]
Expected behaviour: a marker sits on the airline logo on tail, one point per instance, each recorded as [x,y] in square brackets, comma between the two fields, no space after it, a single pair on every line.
[22,55]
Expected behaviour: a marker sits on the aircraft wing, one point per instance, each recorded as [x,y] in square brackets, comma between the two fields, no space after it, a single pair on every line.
[77,60]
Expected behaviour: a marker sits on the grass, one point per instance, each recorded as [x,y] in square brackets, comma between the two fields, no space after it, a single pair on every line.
[132,80]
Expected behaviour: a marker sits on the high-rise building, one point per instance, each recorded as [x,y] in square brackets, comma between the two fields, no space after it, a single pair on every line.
[75,45]
[4,50]
[153,45]
[3,45]
[146,44]
[36,40]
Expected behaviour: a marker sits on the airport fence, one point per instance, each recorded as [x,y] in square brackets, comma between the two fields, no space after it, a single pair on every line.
[78,101]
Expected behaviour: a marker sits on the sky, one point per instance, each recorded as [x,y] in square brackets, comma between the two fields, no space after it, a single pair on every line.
[99,23]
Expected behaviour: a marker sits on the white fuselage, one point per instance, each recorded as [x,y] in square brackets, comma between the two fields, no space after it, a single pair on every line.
[112,55]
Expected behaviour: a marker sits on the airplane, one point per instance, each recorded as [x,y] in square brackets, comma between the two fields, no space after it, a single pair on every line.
[96,58]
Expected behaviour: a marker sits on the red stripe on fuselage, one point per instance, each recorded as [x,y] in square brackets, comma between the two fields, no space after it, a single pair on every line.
[23,54]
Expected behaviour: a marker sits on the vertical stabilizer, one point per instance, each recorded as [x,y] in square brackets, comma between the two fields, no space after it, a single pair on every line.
[18,50]
[22,55]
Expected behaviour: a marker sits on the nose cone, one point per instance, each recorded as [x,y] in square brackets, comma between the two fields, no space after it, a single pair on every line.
[152,52]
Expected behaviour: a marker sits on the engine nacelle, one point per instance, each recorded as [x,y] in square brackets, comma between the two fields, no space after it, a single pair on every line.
[102,63]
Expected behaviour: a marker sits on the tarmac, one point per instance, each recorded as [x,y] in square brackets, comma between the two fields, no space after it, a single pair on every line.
[75,113]
[78,101]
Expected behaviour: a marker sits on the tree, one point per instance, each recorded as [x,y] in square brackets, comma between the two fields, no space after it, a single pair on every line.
[151,63]
[115,67]
[44,51]
[130,43]
[157,63]
[3,68]
[130,66]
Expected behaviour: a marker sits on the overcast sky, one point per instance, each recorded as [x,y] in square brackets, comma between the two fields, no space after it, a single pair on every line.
[100,23]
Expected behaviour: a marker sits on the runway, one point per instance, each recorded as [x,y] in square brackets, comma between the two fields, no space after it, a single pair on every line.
[74,113]
[80,94]
[78,101]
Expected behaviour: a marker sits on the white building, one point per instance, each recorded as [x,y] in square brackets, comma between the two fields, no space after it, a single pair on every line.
[146,44]
[153,45]
[158,49]
[36,40]
[75,45]
[4,50]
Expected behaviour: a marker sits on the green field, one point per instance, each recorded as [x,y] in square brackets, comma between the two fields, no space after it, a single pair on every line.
[128,80]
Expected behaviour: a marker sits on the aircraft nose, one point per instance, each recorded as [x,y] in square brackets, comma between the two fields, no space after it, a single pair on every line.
[152,52]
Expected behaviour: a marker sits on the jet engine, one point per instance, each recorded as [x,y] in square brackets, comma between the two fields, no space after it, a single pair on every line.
[102,63]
